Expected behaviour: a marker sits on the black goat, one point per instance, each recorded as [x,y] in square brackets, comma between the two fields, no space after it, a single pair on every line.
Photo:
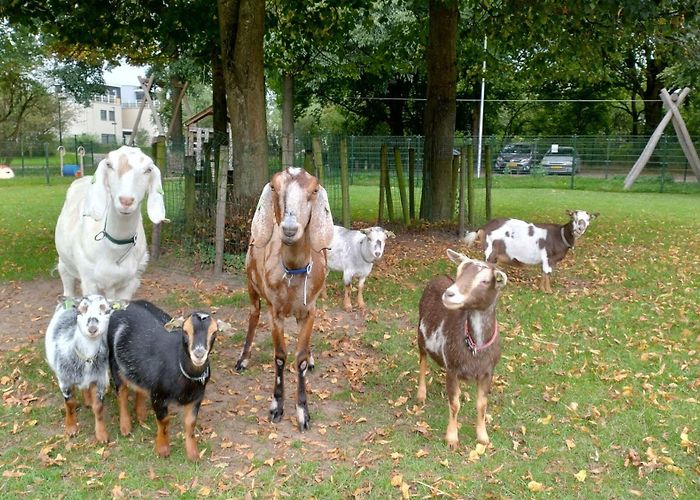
[170,366]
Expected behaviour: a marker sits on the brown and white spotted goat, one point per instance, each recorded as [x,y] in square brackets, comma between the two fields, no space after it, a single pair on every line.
[513,241]
[286,266]
[458,329]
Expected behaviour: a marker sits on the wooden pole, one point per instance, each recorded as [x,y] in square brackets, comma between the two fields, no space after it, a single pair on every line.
[402,186]
[318,159]
[682,132]
[309,162]
[455,182]
[387,189]
[344,182]
[470,185]
[488,169]
[159,155]
[412,183]
[146,89]
[383,154]
[462,188]
[220,234]
[651,145]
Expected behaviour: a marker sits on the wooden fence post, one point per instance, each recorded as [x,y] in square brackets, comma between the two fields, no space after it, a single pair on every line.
[402,186]
[455,183]
[470,185]
[462,186]
[488,169]
[412,183]
[318,160]
[382,168]
[344,183]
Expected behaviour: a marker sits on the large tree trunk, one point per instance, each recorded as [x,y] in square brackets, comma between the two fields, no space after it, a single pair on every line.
[652,106]
[287,120]
[176,136]
[440,110]
[396,106]
[242,28]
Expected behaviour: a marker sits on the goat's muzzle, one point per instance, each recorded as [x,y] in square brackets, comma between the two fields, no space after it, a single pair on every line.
[199,355]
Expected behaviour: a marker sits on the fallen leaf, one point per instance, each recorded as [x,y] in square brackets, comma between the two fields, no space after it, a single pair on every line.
[535,487]
[580,476]
[396,480]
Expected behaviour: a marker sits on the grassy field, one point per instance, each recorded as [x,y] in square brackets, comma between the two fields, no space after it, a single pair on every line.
[596,395]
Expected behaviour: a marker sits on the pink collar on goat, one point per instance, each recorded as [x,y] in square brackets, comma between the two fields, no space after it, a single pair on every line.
[472,344]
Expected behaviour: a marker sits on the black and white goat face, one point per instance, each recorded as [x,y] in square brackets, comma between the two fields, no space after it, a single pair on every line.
[376,239]
[123,179]
[580,220]
[94,312]
[199,332]
[476,285]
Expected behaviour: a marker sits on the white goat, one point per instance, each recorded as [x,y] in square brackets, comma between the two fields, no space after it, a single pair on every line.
[354,253]
[99,234]
[76,350]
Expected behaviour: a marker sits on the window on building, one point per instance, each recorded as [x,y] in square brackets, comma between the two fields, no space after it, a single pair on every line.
[103,115]
[108,139]
[111,115]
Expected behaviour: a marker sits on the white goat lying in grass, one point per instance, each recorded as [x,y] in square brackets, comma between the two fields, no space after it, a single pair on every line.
[99,234]
[354,253]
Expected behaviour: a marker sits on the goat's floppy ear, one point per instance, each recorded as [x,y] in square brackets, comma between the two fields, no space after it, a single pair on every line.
[501,278]
[390,234]
[595,215]
[366,230]
[67,302]
[96,196]
[457,257]
[155,206]
[321,224]
[263,220]
[570,213]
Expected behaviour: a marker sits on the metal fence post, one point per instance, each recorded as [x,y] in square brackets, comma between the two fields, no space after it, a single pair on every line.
[663,163]
[573,166]
[607,157]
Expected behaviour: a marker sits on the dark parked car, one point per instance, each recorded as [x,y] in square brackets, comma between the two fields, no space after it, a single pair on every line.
[561,160]
[518,157]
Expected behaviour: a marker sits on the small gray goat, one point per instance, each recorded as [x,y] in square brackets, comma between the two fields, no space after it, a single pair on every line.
[76,350]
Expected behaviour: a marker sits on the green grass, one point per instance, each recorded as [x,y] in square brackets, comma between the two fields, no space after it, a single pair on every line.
[605,365]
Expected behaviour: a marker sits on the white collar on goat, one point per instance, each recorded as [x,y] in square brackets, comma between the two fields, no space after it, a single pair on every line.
[201,379]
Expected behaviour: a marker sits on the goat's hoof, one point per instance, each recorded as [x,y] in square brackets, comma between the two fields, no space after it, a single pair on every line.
[453,445]
[303,418]
[241,365]
[163,451]
[102,437]
[483,439]
[192,454]
[276,414]
[124,429]
[72,430]
[311,364]
[420,397]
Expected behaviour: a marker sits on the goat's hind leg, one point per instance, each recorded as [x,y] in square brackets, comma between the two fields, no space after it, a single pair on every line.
[422,368]
[67,279]
[253,318]
[162,421]
[303,354]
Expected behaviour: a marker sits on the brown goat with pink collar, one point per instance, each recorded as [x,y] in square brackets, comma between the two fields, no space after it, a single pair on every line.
[458,329]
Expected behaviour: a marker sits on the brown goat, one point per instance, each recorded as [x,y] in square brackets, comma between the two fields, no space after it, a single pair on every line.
[458,329]
[286,265]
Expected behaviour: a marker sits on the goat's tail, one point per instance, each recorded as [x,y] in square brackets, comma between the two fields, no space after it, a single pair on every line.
[471,237]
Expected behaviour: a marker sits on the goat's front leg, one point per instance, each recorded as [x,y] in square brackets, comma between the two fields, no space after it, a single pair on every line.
[162,421]
[453,394]
[360,288]
[280,347]
[253,318]
[302,359]
[97,394]
[483,386]
[545,285]
[422,368]
[67,279]
[71,420]
[190,413]
[123,398]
